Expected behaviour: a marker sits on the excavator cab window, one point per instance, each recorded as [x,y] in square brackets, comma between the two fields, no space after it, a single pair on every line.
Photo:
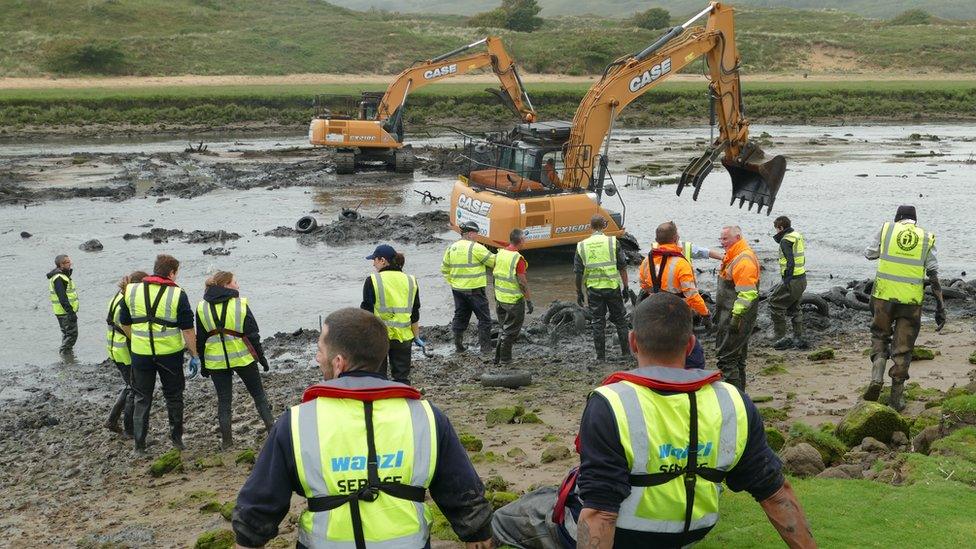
[367,110]
[552,165]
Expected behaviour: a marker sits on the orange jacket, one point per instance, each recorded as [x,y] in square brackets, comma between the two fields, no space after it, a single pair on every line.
[678,278]
[741,267]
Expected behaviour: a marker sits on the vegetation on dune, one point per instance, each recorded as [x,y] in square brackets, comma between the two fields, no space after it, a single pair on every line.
[157,37]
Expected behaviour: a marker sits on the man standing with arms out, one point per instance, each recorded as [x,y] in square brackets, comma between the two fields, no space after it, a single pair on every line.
[906,256]
[464,267]
[655,441]
[363,451]
[512,297]
[736,305]
[157,317]
[64,301]
[601,267]
[785,299]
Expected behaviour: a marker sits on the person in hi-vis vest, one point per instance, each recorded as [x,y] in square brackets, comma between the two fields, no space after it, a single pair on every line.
[363,452]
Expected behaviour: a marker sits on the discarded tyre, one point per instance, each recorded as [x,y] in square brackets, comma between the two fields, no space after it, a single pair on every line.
[816,303]
[306,224]
[509,379]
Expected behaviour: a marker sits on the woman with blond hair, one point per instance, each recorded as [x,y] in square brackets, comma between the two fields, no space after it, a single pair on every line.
[228,342]
[117,345]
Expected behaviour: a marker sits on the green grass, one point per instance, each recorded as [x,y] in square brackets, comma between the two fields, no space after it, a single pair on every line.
[857,513]
[171,37]
[468,104]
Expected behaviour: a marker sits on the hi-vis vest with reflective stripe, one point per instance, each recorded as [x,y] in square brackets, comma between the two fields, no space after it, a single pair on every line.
[223,349]
[599,255]
[69,291]
[154,332]
[901,265]
[799,261]
[464,265]
[116,343]
[329,440]
[687,248]
[507,289]
[746,294]
[395,294]
[654,432]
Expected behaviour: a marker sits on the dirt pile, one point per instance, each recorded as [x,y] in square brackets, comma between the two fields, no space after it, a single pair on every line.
[159,235]
[353,227]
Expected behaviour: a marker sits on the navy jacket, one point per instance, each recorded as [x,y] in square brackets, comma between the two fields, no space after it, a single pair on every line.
[266,495]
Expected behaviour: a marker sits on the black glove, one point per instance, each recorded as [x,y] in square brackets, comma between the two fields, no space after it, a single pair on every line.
[264,364]
[72,315]
[625,293]
[580,300]
[204,372]
[940,318]
[528,306]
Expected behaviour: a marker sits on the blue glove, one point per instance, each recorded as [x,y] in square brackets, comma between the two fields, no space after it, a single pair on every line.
[193,368]
[419,342]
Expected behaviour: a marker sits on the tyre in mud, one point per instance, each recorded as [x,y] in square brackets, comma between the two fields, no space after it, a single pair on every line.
[306,224]
[509,379]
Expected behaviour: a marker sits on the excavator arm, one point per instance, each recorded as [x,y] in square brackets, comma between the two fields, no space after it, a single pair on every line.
[453,64]
[754,179]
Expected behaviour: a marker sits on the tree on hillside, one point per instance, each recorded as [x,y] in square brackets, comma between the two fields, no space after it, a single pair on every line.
[912,17]
[654,18]
[516,15]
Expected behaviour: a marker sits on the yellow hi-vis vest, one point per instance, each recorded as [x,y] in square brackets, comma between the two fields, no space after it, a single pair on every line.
[225,346]
[395,292]
[507,289]
[656,433]
[599,255]
[901,264]
[331,444]
[116,342]
[153,310]
[799,261]
[464,265]
[69,291]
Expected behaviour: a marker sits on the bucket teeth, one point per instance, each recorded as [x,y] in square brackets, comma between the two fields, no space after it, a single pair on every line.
[754,178]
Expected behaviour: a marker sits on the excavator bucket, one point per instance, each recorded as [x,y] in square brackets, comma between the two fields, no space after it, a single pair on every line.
[755,177]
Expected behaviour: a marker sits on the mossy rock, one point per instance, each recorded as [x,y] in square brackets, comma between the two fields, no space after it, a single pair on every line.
[960,410]
[500,498]
[773,414]
[961,443]
[502,416]
[929,417]
[775,438]
[208,462]
[169,462]
[197,499]
[773,370]
[487,457]
[210,507]
[470,442]
[972,357]
[516,453]
[246,456]
[870,419]
[530,417]
[924,353]
[550,437]
[556,452]
[227,510]
[830,447]
[759,399]
[496,484]
[825,353]
[215,539]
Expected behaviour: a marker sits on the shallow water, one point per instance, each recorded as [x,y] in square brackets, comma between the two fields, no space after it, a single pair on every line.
[290,285]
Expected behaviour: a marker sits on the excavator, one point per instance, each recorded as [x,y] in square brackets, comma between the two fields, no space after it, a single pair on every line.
[377,134]
[550,178]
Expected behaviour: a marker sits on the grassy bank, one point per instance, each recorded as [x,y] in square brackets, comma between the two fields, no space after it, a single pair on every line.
[292,106]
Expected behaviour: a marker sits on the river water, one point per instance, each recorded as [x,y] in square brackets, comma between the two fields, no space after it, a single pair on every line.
[842,183]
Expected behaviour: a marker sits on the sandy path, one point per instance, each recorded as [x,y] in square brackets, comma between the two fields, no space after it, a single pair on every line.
[312,79]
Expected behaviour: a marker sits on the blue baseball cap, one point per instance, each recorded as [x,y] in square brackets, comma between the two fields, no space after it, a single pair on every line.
[383,250]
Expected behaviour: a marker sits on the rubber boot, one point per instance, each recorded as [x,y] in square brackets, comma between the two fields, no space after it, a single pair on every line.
[225,424]
[600,344]
[176,429]
[459,342]
[798,341]
[112,423]
[877,379]
[623,337]
[484,340]
[783,343]
[504,351]
[897,400]
[264,410]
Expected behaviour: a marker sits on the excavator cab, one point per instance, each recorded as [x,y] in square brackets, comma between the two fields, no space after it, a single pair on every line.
[369,105]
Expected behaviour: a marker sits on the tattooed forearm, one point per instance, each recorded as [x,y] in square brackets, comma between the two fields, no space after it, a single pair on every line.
[786,515]
[596,529]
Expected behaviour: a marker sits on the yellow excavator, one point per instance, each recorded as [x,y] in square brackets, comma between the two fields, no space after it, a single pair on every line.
[540,177]
[377,134]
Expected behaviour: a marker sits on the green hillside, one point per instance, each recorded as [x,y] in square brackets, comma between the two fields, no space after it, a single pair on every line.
[172,37]
[952,9]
